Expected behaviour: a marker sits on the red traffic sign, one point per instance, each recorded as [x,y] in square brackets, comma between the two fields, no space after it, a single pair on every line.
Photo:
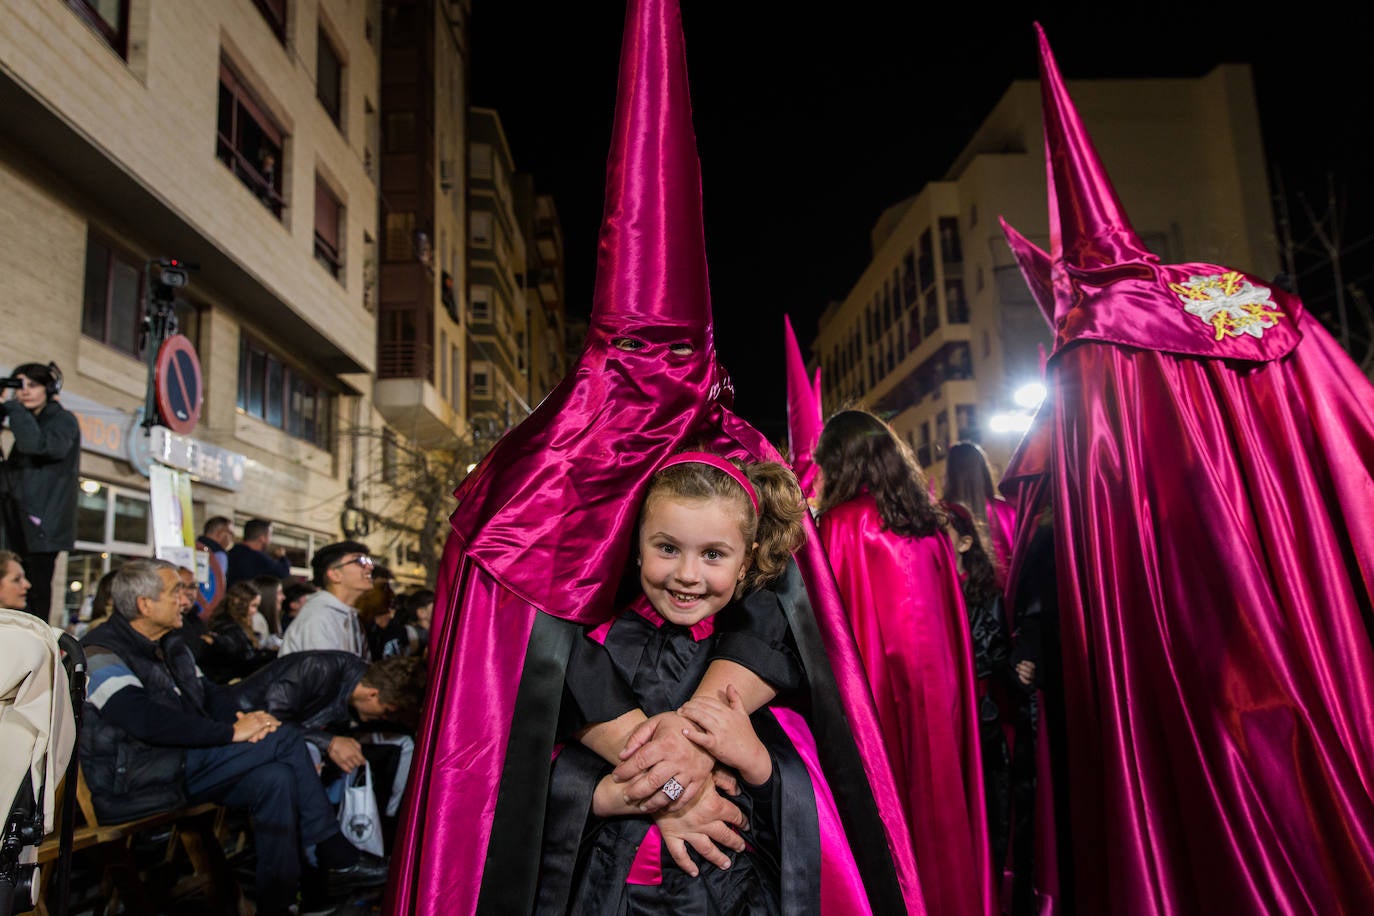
[177,384]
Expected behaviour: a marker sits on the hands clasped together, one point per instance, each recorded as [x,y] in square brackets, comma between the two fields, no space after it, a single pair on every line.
[701,748]
[254,726]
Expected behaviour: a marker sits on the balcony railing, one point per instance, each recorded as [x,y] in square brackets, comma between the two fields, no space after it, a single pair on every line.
[403,359]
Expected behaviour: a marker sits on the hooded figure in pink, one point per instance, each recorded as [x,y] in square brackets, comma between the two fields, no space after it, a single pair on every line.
[1208,449]
[542,537]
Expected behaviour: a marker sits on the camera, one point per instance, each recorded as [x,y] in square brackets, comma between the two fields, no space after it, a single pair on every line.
[13,381]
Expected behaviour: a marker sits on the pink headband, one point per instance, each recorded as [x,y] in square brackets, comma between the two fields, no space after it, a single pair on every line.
[719,464]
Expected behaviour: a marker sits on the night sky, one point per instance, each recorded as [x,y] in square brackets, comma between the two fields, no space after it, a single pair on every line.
[810,123]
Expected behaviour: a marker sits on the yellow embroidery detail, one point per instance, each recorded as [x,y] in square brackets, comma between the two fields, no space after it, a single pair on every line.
[1229,303]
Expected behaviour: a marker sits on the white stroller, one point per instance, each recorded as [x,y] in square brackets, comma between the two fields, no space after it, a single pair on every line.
[42,687]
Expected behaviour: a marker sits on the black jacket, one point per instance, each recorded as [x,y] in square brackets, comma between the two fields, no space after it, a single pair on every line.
[232,655]
[311,689]
[41,473]
[144,707]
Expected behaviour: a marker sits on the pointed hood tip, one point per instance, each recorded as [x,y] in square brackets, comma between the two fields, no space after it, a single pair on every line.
[1089,227]
[651,264]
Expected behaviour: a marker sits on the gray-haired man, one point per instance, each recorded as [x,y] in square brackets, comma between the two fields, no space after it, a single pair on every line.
[158,735]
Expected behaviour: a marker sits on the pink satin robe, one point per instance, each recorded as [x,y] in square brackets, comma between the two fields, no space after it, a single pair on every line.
[907,612]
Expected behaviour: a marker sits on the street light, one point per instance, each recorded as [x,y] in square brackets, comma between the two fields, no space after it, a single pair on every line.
[1029,395]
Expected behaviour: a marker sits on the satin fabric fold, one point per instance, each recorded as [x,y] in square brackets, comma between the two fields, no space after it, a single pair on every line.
[1219,680]
[907,614]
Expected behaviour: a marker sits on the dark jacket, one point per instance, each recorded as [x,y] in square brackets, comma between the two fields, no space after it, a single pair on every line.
[232,655]
[41,473]
[143,708]
[311,689]
[245,563]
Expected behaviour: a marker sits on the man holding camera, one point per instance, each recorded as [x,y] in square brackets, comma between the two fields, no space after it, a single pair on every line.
[39,477]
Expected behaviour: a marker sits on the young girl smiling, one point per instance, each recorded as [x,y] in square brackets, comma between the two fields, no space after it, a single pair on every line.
[711,536]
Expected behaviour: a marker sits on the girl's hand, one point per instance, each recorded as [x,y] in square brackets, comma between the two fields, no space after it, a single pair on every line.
[723,730]
[706,825]
[654,753]
[1025,672]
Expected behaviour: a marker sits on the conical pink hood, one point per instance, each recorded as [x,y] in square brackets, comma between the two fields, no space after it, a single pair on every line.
[1035,269]
[550,511]
[651,259]
[1088,227]
[1107,284]
[803,411]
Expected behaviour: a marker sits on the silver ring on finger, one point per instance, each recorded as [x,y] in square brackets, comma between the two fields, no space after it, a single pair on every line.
[672,788]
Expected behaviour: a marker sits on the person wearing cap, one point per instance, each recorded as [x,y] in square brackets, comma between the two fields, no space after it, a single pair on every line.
[329,619]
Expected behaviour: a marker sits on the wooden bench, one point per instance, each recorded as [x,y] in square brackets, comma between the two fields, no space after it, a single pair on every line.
[195,829]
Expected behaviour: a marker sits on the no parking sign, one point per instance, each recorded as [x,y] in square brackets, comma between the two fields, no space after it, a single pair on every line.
[177,384]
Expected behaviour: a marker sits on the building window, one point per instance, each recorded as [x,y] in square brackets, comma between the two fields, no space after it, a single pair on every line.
[329,223]
[274,11]
[480,303]
[479,229]
[328,77]
[107,18]
[249,142]
[479,384]
[280,396]
[112,307]
[966,422]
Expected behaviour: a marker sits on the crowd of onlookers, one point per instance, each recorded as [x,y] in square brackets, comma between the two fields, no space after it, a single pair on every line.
[266,699]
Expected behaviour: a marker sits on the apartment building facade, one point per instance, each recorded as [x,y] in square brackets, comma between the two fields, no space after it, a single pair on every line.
[940,331]
[498,368]
[241,137]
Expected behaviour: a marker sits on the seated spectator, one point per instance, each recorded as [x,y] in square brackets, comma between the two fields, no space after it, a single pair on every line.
[329,619]
[255,555]
[235,652]
[408,632]
[265,622]
[156,736]
[293,595]
[194,631]
[328,694]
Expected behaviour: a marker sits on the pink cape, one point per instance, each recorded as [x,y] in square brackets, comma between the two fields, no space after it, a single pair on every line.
[1214,521]
[907,613]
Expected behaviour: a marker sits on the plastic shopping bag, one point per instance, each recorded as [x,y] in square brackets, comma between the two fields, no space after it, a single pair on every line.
[358,817]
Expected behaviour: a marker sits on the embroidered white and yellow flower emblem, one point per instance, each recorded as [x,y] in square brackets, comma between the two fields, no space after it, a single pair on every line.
[1229,303]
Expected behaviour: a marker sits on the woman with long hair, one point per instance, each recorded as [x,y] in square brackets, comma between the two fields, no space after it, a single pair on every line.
[968,483]
[235,652]
[897,576]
